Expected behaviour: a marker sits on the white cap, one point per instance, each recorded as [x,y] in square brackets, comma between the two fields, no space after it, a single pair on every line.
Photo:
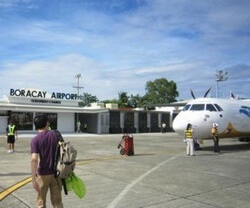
[215,124]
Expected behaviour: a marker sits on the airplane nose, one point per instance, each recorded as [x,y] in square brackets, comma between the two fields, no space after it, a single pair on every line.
[179,125]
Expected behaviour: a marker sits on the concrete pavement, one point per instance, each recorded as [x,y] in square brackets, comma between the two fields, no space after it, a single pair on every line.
[159,175]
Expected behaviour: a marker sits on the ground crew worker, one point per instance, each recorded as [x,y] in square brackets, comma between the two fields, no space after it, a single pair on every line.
[215,136]
[189,138]
[49,128]
[11,134]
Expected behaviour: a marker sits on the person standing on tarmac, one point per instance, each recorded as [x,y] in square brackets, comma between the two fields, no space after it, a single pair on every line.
[163,127]
[43,150]
[11,134]
[189,140]
[78,126]
[215,136]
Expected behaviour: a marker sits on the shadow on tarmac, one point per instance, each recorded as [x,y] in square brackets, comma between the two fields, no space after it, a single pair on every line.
[143,154]
[230,148]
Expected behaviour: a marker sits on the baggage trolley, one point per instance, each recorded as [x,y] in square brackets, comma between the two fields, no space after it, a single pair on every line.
[126,145]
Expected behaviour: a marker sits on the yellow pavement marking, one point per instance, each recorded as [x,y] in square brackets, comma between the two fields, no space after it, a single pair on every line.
[22,183]
[14,187]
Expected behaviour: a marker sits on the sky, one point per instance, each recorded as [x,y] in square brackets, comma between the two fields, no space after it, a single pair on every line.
[120,45]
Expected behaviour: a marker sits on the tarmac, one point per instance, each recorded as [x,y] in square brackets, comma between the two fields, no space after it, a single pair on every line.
[159,175]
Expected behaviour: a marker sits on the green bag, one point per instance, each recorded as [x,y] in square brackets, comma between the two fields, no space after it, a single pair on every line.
[76,184]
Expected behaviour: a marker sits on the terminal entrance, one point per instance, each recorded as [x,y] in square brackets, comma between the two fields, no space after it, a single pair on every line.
[24,120]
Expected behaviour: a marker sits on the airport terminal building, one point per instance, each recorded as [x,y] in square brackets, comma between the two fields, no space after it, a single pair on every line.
[22,105]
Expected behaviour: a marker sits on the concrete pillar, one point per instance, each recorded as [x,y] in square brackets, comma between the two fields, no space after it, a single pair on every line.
[136,121]
[149,121]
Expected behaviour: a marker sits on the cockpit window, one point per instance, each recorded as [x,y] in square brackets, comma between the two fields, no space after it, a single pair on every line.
[218,107]
[210,107]
[201,107]
[186,107]
[197,107]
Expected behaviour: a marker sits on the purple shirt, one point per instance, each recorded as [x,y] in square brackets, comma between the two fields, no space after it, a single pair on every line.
[44,144]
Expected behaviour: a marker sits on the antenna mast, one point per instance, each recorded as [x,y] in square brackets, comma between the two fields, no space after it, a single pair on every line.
[220,76]
[78,87]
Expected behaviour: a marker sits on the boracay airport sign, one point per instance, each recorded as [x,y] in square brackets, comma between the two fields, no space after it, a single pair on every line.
[42,94]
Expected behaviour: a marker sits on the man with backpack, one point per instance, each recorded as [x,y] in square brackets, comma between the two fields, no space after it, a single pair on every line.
[43,152]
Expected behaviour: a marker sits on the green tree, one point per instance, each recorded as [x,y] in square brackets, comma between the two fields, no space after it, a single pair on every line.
[111,101]
[87,99]
[123,99]
[161,91]
[137,101]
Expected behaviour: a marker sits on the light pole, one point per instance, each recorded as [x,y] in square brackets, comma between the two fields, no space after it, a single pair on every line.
[220,76]
[78,76]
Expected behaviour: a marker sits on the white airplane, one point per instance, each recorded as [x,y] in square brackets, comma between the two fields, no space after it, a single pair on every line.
[231,115]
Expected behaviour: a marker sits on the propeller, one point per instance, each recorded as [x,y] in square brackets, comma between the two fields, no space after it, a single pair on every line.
[192,93]
[205,95]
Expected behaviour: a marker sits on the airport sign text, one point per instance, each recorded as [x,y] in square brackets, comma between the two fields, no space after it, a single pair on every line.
[41,94]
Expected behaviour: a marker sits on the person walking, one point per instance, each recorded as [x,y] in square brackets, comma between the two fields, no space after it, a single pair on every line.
[189,138]
[11,133]
[163,127]
[43,150]
[78,126]
[214,131]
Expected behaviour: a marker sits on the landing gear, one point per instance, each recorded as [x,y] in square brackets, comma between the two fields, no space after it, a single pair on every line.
[196,146]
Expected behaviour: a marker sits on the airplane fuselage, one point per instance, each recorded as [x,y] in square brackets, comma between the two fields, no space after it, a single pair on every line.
[232,117]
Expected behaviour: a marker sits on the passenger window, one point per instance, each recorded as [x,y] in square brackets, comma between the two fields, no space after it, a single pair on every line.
[210,107]
[186,107]
[218,107]
[197,107]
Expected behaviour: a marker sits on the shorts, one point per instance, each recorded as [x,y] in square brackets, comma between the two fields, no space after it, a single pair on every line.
[11,139]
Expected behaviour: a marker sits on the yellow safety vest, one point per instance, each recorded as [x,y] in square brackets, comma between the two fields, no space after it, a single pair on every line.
[189,134]
[11,130]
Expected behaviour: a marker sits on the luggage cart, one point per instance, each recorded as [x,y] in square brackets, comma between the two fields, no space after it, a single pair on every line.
[126,145]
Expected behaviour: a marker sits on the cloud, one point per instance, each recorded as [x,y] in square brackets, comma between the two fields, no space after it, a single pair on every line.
[120,45]
[14,3]
[57,74]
